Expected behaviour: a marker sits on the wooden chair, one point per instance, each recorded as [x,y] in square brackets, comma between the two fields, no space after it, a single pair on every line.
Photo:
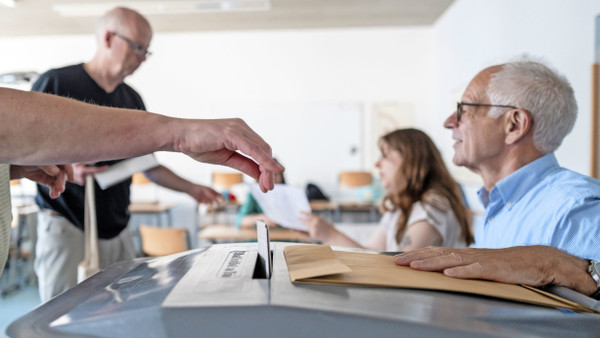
[163,241]
[225,180]
[144,187]
[219,233]
[146,203]
[139,179]
[353,179]
[223,183]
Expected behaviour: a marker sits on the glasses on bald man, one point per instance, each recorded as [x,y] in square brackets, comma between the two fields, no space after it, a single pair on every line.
[459,106]
[138,49]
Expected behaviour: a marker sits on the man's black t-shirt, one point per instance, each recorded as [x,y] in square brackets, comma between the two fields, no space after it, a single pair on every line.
[111,204]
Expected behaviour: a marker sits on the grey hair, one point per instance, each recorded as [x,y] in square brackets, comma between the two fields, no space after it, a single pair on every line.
[546,94]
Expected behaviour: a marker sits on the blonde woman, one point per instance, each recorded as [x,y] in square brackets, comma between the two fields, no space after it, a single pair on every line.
[423,205]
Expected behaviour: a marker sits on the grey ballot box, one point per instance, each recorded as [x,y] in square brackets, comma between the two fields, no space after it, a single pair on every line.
[217,292]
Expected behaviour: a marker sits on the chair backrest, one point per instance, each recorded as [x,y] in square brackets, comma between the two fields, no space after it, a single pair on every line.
[226,180]
[139,179]
[143,190]
[158,241]
[352,179]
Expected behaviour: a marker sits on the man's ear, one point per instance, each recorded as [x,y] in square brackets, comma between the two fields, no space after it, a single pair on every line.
[107,38]
[518,123]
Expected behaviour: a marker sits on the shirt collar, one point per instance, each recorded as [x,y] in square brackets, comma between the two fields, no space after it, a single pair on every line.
[511,188]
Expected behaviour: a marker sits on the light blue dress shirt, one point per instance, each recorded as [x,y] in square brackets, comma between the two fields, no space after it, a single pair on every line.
[542,204]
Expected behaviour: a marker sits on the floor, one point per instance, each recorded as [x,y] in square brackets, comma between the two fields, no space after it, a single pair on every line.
[16,304]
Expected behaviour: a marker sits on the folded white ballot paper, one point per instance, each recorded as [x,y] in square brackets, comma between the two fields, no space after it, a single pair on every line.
[282,204]
[124,169]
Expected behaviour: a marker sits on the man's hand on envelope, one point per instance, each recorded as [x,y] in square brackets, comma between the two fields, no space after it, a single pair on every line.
[529,265]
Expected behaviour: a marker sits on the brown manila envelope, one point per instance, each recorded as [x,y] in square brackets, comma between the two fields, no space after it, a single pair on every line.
[319,264]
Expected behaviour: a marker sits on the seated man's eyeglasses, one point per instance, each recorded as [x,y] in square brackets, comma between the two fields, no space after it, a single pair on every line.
[138,49]
[459,106]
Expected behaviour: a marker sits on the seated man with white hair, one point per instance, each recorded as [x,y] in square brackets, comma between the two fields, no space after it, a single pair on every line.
[511,119]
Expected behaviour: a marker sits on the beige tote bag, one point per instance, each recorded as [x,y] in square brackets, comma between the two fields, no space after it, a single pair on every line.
[90,264]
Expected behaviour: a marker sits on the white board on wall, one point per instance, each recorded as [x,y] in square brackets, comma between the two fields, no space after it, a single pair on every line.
[314,141]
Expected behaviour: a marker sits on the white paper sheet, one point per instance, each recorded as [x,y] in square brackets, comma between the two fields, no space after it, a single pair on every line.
[125,169]
[282,204]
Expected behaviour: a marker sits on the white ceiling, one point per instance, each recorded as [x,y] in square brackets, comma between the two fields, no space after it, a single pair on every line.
[36,17]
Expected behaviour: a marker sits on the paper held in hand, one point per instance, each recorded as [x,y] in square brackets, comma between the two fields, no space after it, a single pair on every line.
[124,169]
[282,204]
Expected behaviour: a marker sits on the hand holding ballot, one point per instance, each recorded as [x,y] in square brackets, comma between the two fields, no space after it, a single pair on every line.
[318,228]
[232,143]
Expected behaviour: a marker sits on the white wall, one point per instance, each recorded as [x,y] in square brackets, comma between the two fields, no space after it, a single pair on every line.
[194,75]
[289,68]
[474,34]
[424,70]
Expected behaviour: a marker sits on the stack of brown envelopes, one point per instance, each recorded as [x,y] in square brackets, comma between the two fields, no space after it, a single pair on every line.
[319,264]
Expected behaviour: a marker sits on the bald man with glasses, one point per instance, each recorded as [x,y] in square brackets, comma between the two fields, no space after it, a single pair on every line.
[123,38]
[541,224]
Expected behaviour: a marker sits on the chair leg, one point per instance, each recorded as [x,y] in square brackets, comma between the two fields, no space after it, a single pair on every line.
[337,215]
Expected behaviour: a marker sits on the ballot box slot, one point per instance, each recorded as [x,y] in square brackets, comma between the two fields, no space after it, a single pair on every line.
[264,261]
[260,270]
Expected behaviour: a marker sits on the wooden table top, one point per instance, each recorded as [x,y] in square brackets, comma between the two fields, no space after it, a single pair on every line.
[356,206]
[322,205]
[224,232]
[150,207]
